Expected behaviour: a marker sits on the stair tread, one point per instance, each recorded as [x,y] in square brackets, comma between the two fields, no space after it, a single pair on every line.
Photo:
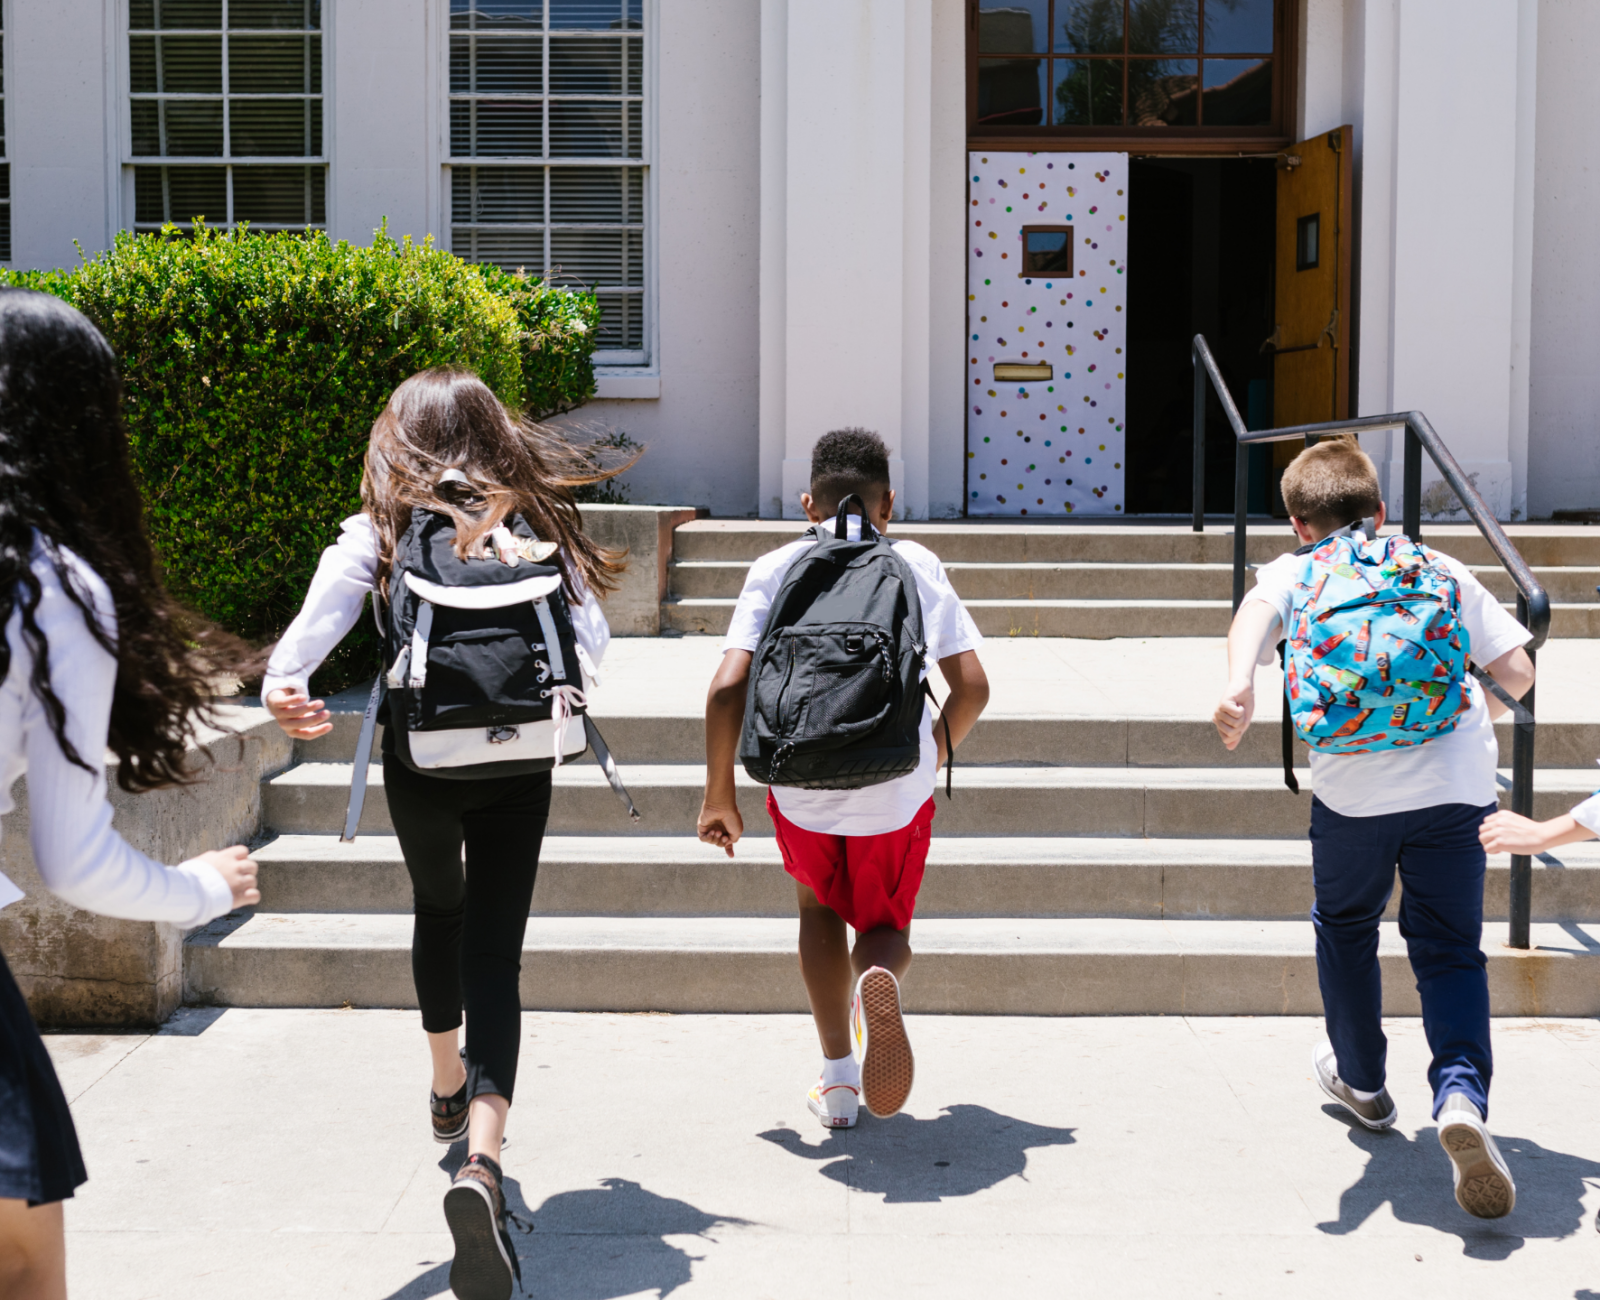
[970,778]
[1011,935]
[1063,850]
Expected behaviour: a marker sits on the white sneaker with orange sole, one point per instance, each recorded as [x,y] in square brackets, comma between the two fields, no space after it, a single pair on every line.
[835,1104]
[881,1044]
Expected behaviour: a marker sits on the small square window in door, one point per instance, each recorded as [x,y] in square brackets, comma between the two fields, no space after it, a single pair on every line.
[1307,237]
[1046,251]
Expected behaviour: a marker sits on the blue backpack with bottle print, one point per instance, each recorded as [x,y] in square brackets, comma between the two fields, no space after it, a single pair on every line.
[1376,655]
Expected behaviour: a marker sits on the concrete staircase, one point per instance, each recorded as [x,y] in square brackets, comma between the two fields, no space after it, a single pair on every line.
[1109,579]
[1102,853]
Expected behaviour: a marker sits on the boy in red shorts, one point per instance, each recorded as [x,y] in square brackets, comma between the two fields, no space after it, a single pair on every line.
[857,856]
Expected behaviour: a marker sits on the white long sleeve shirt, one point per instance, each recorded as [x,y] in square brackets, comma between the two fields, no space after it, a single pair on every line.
[346,575]
[78,854]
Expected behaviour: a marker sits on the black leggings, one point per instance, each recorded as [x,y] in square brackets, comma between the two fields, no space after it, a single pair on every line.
[466,943]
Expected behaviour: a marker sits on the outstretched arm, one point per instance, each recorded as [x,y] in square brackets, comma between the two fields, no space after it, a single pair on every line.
[719,822]
[1256,628]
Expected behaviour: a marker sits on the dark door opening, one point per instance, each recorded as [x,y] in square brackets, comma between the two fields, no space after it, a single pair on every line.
[1201,254]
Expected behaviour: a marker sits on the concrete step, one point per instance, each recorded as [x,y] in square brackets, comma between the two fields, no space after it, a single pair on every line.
[1024,966]
[1089,619]
[1009,876]
[702,579]
[1124,542]
[1153,802]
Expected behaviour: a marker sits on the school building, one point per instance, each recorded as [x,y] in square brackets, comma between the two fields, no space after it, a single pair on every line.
[985,228]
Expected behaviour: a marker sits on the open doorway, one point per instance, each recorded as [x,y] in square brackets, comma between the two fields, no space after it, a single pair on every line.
[1201,260]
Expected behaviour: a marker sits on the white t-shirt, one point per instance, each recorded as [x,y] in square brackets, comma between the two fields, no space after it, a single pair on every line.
[1458,767]
[949,630]
[1587,813]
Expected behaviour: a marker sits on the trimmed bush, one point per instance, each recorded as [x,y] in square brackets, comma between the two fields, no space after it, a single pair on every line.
[254,367]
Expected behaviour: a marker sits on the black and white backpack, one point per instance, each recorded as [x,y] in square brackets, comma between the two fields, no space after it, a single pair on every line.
[485,675]
[836,684]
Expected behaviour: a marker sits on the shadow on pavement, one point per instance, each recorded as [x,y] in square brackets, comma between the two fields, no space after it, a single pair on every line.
[594,1244]
[965,1149]
[1413,1175]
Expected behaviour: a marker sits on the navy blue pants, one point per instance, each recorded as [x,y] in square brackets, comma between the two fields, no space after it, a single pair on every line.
[1441,919]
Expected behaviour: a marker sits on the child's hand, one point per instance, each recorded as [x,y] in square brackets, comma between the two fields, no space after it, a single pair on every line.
[1509,832]
[302,718]
[238,868]
[1233,714]
[721,826]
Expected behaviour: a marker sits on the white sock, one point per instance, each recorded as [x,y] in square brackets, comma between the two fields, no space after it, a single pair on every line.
[1363,1096]
[845,1070]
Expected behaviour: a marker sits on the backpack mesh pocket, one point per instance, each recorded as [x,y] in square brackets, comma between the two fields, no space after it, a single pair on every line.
[847,699]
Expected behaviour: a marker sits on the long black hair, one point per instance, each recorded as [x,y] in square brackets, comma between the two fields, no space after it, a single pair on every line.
[65,477]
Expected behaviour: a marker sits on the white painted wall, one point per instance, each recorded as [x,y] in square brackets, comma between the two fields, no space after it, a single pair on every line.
[61,128]
[1564,427]
[382,117]
[702,430]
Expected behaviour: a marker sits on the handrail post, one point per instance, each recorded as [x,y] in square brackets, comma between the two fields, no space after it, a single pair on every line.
[1199,440]
[1241,502]
[1521,899]
[1412,498]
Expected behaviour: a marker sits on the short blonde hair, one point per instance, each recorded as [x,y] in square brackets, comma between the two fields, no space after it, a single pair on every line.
[1332,484]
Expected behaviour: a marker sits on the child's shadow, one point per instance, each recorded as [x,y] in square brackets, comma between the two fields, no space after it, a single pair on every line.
[1414,1177]
[966,1149]
[594,1244]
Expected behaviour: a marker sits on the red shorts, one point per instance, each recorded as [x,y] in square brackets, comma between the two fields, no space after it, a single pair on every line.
[869,880]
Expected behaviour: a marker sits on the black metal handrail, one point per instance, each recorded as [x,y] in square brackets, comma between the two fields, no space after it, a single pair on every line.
[1533,602]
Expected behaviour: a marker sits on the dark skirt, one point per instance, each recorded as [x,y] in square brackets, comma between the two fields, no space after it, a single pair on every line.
[39,1157]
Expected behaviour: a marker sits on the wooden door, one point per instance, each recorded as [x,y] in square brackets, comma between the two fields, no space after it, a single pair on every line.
[1311,341]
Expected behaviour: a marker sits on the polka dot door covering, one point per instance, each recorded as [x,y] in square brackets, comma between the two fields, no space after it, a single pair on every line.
[1055,446]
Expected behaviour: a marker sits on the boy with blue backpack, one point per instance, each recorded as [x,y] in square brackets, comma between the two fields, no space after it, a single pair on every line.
[1386,648]
[820,695]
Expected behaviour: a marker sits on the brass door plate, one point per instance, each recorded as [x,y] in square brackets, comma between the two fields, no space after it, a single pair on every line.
[1022,372]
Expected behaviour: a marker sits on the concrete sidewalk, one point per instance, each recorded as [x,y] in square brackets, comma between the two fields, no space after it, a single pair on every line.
[254,1153]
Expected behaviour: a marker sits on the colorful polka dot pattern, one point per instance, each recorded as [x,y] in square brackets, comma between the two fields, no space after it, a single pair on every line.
[1052,447]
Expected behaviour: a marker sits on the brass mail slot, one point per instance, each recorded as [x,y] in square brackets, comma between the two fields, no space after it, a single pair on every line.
[1022,372]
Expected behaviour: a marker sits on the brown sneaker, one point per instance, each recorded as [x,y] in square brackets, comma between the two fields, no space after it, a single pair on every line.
[1483,1183]
[887,1066]
[449,1114]
[1378,1113]
[485,1263]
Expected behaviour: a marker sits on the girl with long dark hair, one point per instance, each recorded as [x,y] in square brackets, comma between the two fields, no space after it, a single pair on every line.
[95,656]
[445,444]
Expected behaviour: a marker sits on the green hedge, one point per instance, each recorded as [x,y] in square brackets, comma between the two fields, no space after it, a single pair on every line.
[254,367]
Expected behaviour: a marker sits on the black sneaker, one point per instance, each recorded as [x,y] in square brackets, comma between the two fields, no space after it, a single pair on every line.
[449,1114]
[475,1208]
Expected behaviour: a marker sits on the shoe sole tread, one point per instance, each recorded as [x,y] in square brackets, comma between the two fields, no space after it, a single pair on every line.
[1482,1190]
[479,1270]
[888,1068]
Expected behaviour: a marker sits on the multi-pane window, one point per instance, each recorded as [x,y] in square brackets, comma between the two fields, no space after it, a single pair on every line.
[547,149]
[5,166]
[225,110]
[1126,63]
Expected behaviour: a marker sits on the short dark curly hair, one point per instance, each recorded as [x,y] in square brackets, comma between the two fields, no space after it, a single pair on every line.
[846,461]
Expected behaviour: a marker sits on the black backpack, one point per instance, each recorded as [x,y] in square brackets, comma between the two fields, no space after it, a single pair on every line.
[836,685]
[485,676]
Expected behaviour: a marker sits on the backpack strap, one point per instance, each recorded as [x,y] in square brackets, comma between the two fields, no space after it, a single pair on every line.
[1524,719]
[552,638]
[602,756]
[1289,778]
[949,749]
[358,777]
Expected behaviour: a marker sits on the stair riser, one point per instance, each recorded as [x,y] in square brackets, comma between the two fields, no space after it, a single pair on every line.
[720,888]
[1046,983]
[1045,545]
[1094,622]
[1016,810]
[1107,582]
[1088,742]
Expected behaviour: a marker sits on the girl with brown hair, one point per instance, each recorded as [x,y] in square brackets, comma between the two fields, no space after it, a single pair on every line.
[94,656]
[445,444]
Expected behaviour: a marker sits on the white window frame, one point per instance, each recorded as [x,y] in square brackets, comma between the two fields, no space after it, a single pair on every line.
[125,194]
[637,363]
